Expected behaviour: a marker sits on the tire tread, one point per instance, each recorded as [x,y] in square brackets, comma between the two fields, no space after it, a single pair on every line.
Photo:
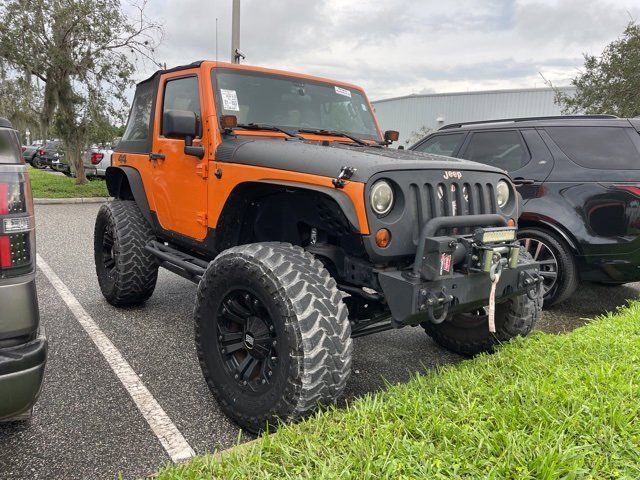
[319,317]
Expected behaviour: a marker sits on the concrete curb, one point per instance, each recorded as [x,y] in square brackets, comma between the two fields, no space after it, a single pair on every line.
[59,201]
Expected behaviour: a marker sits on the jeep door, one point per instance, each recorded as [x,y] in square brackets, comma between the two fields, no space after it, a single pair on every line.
[521,152]
[179,180]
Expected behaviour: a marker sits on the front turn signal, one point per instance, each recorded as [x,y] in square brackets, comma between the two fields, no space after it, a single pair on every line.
[383,238]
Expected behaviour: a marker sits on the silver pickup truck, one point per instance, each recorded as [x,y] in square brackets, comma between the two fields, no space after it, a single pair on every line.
[97,158]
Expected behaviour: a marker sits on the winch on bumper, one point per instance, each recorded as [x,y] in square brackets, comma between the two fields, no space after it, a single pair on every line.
[455,273]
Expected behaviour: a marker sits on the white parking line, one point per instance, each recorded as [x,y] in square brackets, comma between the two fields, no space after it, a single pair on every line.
[168,434]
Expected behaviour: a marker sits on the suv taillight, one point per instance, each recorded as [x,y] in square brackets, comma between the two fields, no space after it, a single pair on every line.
[96,158]
[632,189]
[41,152]
[17,240]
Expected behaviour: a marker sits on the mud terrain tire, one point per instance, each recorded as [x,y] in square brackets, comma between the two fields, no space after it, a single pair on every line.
[127,273]
[468,333]
[272,334]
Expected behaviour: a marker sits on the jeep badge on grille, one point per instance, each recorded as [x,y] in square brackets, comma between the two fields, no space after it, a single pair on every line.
[452,174]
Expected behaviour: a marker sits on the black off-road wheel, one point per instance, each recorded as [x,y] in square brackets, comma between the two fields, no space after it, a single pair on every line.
[127,273]
[468,333]
[272,334]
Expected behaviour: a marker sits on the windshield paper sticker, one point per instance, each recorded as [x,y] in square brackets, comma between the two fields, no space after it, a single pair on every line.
[229,100]
[343,91]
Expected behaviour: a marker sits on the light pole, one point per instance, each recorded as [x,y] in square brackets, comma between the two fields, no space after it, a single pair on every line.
[28,135]
[236,53]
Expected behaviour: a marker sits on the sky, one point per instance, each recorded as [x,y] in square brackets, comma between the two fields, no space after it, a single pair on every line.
[400,47]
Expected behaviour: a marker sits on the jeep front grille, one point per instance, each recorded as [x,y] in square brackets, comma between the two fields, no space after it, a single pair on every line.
[446,199]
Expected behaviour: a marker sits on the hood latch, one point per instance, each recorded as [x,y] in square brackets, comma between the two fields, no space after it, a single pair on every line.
[345,174]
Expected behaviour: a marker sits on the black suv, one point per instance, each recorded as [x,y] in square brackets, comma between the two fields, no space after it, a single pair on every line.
[23,346]
[579,177]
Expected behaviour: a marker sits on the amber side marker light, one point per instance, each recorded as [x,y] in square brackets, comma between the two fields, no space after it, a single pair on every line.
[383,238]
[511,222]
[228,122]
[391,136]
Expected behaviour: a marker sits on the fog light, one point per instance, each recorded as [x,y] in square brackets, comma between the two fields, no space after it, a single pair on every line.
[495,235]
[383,238]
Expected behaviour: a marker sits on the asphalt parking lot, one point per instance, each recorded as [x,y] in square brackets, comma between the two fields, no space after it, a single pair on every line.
[86,424]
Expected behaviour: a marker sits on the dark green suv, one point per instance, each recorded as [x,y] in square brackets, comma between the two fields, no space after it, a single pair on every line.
[23,346]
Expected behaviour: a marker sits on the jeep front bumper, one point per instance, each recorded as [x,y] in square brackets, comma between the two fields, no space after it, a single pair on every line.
[453,274]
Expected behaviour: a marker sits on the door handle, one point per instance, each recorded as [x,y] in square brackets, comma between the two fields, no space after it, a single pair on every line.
[522,181]
[156,156]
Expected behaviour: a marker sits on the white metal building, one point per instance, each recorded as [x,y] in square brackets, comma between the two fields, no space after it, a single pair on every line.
[410,114]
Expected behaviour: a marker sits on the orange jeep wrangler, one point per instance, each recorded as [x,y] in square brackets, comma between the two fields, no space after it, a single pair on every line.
[277,194]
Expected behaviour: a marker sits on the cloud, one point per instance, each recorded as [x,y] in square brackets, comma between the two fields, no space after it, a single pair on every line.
[401,47]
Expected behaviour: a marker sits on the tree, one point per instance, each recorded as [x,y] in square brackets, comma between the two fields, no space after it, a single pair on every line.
[418,134]
[83,51]
[609,83]
[20,102]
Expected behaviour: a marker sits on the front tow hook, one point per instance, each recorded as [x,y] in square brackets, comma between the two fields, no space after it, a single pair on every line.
[436,301]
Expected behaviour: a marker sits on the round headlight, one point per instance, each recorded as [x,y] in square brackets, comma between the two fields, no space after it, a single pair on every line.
[381,197]
[502,193]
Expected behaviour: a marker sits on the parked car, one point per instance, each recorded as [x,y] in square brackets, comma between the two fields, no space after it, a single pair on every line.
[30,155]
[23,346]
[579,177]
[50,153]
[60,165]
[97,158]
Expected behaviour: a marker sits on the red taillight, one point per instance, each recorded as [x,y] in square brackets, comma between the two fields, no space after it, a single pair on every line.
[23,149]
[4,198]
[632,189]
[5,244]
[96,158]
[41,152]
[5,252]
[16,227]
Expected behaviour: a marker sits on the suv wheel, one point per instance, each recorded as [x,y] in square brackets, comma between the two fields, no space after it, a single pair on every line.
[557,263]
[272,334]
[468,333]
[127,273]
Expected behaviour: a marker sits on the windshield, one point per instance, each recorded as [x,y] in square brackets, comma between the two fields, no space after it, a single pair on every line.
[292,103]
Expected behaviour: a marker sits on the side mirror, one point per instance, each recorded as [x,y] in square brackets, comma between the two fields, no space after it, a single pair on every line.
[180,124]
[391,136]
[183,124]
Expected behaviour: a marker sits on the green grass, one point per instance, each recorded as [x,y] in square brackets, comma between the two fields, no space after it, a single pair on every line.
[46,185]
[544,407]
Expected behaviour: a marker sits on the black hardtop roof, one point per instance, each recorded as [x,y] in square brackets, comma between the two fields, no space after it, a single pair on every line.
[558,120]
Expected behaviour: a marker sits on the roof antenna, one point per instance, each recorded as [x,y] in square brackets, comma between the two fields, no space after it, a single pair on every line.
[216,39]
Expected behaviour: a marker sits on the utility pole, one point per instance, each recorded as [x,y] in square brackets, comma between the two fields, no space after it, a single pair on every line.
[236,53]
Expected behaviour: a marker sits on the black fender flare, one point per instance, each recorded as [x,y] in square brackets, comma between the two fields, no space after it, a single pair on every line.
[228,225]
[342,199]
[125,183]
